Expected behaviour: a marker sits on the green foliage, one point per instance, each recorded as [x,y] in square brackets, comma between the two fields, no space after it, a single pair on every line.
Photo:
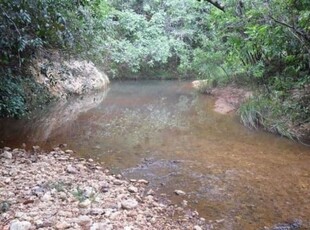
[267,46]
[79,194]
[277,114]
[29,25]
[19,95]
[151,34]
[12,101]
[74,27]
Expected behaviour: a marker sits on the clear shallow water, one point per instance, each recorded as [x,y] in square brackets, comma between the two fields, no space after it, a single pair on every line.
[166,133]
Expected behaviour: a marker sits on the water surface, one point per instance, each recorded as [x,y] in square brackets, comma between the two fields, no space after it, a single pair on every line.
[166,133]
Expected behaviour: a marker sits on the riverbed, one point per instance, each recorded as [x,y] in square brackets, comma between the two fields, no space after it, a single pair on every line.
[167,133]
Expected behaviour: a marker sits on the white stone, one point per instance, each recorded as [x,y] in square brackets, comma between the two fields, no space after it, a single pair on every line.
[89,191]
[62,195]
[7,155]
[101,226]
[117,182]
[179,192]
[20,225]
[46,197]
[84,220]
[129,204]
[142,181]
[85,203]
[133,189]
[62,225]
[7,180]
[71,169]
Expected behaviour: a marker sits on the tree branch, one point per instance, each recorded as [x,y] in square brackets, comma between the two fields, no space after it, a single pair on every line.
[216,4]
[297,31]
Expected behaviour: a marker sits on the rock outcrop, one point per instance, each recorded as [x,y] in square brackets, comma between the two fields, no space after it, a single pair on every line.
[65,77]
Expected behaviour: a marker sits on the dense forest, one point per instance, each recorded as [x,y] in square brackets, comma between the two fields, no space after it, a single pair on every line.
[263,45]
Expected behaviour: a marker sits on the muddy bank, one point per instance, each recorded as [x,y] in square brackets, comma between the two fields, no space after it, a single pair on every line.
[228,98]
[55,190]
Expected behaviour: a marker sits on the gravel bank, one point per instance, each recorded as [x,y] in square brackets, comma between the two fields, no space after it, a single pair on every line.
[55,190]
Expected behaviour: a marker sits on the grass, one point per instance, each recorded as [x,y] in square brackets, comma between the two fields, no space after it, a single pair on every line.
[271,113]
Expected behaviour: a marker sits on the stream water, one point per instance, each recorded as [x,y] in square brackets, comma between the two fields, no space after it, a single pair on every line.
[166,133]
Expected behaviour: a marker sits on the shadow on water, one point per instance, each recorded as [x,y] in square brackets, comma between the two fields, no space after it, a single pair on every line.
[164,132]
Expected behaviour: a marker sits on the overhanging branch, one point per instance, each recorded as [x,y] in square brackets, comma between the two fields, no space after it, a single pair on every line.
[216,4]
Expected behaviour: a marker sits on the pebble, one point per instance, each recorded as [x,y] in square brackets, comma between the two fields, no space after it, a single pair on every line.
[71,169]
[118,182]
[129,204]
[36,148]
[62,225]
[196,227]
[85,203]
[133,189]
[20,225]
[84,220]
[219,221]
[69,151]
[46,197]
[142,181]
[43,196]
[64,213]
[184,203]
[7,180]
[62,195]
[96,211]
[7,155]
[101,226]
[179,192]
[150,192]
[118,176]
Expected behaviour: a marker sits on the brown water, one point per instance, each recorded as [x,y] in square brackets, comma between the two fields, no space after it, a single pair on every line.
[166,133]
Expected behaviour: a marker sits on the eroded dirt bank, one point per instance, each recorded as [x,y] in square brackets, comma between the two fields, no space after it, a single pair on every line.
[55,190]
[228,98]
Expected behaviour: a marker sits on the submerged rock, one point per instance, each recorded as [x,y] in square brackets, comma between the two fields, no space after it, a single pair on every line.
[294,225]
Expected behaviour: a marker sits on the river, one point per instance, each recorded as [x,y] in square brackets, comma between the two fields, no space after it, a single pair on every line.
[168,134]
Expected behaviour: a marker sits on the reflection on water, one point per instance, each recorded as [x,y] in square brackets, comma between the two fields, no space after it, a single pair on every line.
[167,134]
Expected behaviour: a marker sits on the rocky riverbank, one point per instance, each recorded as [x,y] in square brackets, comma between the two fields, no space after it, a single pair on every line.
[55,190]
